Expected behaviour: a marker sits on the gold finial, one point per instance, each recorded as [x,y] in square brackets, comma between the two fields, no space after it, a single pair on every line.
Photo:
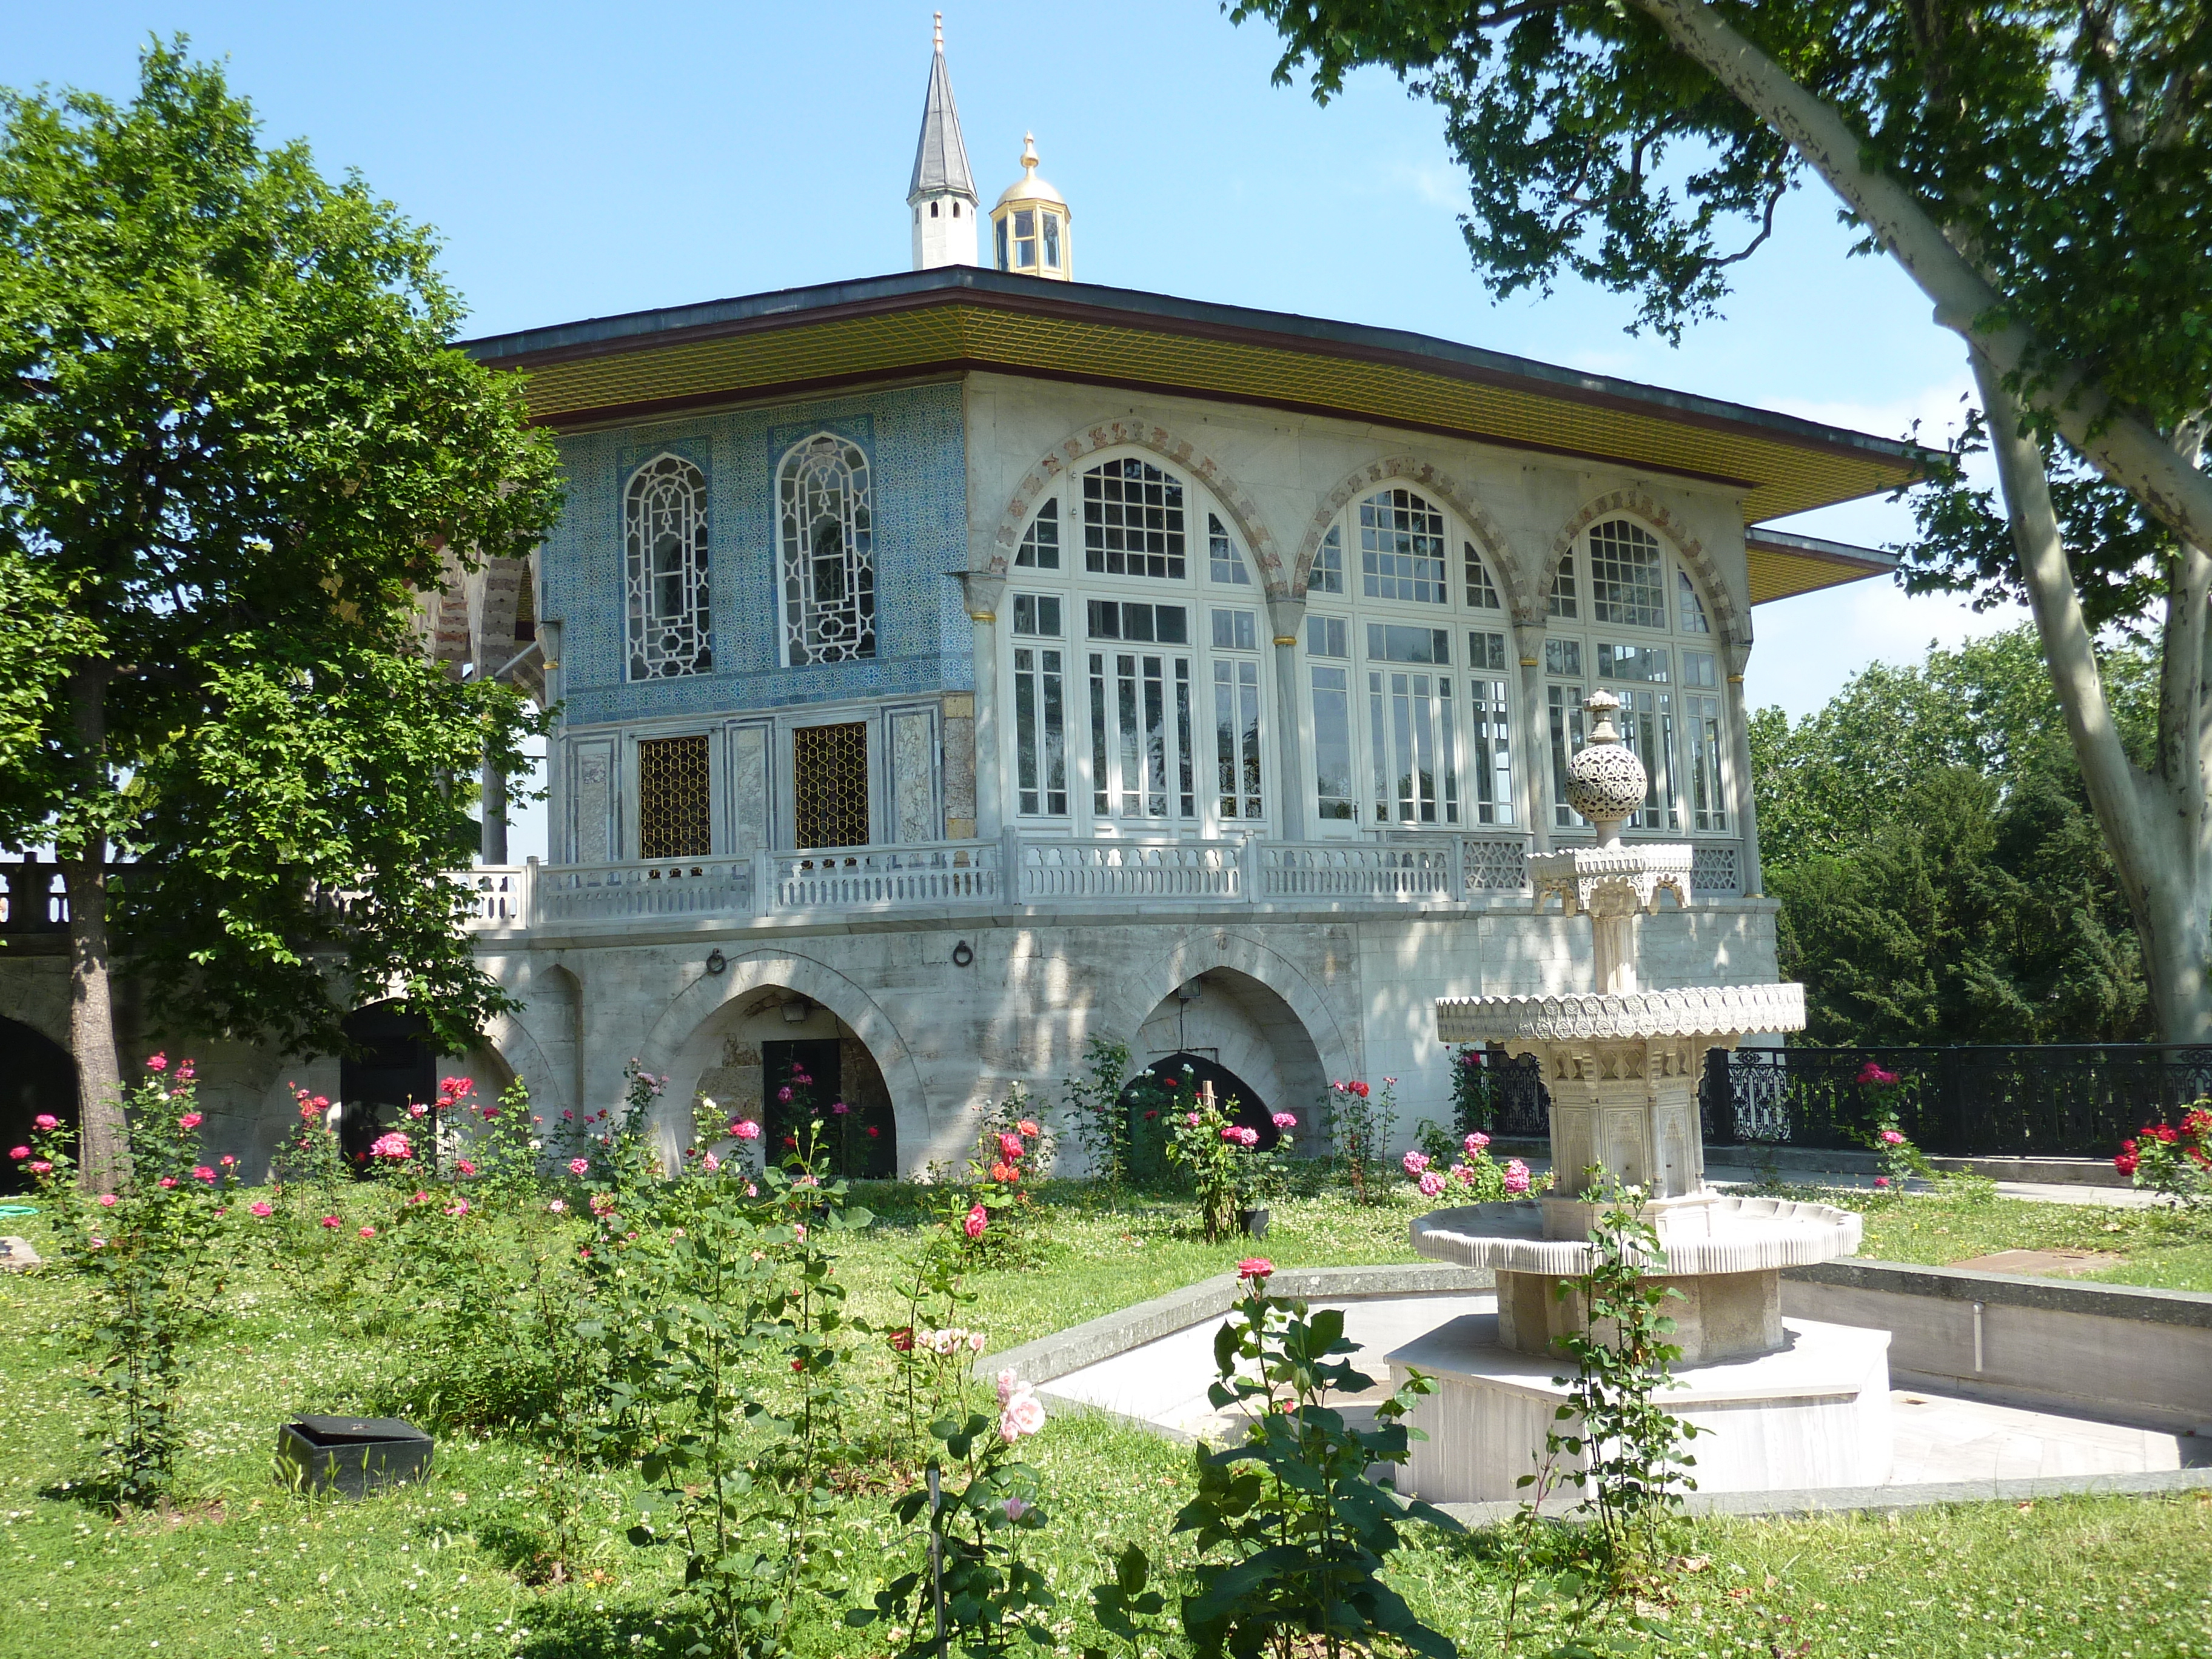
[940,31]
[1028,152]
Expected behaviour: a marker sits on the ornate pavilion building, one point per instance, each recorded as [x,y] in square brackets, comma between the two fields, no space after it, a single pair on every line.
[957,665]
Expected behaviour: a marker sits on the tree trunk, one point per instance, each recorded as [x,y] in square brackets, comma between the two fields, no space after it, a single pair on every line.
[103,1149]
[2153,821]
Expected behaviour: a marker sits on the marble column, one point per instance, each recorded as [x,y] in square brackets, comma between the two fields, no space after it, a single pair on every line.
[1746,813]
[491,841]
[981,591]
[1285,617]
[1535,739]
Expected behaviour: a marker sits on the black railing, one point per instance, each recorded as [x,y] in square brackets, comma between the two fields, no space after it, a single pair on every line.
[2060,1100]
[2054,1100]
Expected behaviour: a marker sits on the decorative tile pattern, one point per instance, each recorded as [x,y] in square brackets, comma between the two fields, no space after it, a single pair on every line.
[914,439]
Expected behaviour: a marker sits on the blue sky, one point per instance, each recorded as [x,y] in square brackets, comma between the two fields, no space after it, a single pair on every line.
[581,161]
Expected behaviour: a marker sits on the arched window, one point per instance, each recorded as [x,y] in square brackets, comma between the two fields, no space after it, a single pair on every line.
[827,522]
[664,532]
[1412,716]
[1663,668]
[1136,674]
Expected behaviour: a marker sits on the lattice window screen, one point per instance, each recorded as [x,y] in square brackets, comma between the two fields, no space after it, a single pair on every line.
[675,800]
[827,522]
[829,785]
[665,530]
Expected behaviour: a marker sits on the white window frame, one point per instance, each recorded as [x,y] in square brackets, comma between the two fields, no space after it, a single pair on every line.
[1678,729]
[1246,653]
[1462,708]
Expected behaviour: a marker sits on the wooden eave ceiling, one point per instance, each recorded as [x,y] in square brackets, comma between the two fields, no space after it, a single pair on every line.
[1781,467]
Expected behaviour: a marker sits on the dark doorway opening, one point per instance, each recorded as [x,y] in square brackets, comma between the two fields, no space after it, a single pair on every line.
[1152,1093]
[861,1141]
[395,1061]
[36,1076]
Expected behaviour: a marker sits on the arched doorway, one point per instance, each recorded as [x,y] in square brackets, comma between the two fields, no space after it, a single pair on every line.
[391,1060]
[760,1041]
[36,1076]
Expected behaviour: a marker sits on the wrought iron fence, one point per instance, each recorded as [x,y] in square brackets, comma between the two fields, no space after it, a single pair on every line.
[2048,1101]
[2052,1100]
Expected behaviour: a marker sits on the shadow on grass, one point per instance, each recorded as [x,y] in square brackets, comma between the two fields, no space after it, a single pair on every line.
[574,1630]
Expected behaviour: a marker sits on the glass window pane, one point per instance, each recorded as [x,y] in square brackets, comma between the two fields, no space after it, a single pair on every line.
[1133,520]
[1626,575]
[1402,548]
[1326,575]
[1332,719]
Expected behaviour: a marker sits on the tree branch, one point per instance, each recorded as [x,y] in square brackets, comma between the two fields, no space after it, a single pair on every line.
[2126,450]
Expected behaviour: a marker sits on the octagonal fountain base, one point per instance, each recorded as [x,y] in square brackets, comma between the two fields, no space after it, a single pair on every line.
[1813,1412]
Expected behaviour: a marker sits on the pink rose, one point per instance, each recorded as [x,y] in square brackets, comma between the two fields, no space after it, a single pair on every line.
[579,1166]
[710,1163]
[1255,1268]
[332,1221]
[226,1160]
[976,1221]
[1011,1147]
[1474,1143]
[1286,1120]
[158,1063]
[416,1109]
[1882,1181]
[203,1173]
[393,1145]
[45,1121]
[558,1206]
[458,1206]
[165,1182]
[1891,1138]
[464,1166]
[40,1166]
[784,1094]
[745,1129]
[106,1200]
[1432,1183]
[19,1152]
[1191,1120]
[1517,1176]
[1415,1162]
[368,1232]
[261,1207]
[190,1121]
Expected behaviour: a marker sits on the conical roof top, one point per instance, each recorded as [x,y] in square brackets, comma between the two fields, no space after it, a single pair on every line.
[940,159]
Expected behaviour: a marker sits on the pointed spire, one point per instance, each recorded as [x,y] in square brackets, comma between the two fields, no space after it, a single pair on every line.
[940,159]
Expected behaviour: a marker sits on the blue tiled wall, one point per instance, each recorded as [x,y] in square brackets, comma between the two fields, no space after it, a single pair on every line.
[918,466]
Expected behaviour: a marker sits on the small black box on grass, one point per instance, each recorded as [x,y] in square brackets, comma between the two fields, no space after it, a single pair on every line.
[350,1455]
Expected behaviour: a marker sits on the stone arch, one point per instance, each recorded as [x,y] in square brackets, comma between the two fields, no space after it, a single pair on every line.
[1061,460]
[1490,540]
[1731,624]
[690,1010]
[510,1040]
[1138,992]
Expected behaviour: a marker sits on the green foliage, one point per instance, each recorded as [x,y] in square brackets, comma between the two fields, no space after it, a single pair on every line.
[237,444]
[974,1593]
[155,1259]
[1307,1533]
[1364,1122]
[1092,1101]
[1221,1159]
[1940,876]
[1626,1447]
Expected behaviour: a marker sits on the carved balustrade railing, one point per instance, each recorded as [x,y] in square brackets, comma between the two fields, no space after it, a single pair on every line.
[1027,870]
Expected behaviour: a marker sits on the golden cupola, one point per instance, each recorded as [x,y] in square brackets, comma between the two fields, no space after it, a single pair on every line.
[1029,226]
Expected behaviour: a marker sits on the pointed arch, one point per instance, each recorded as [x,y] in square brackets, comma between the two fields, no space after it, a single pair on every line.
[698,1002]
[1138,992]
[1186,456]
[1490,540]
[1731,624]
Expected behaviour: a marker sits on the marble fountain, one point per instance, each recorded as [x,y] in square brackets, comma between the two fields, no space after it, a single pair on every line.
[1789,1403]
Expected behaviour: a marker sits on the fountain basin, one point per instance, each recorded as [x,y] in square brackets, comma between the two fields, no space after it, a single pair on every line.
[1710,1235]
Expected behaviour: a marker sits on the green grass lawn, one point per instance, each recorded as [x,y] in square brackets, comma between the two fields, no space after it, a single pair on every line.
[242,1567]
[2157,1247]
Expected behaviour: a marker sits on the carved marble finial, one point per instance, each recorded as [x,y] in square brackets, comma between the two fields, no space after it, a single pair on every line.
[1605,781]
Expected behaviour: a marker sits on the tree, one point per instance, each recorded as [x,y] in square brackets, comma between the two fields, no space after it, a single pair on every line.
[236,444]
[1941,878]
[2043,172]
